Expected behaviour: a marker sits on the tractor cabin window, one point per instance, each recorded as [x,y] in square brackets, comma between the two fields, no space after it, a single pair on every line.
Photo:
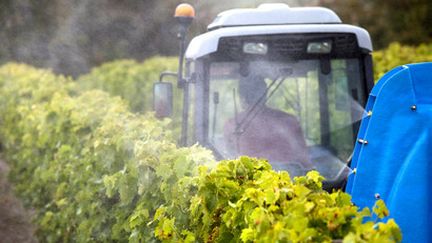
[289,113]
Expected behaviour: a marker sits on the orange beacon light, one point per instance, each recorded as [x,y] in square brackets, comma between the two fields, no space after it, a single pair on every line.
[185,10]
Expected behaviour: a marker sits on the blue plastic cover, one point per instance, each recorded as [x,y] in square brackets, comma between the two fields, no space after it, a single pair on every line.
[393,159]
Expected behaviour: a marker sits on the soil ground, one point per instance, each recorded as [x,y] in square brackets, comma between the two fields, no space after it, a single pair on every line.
[15,226]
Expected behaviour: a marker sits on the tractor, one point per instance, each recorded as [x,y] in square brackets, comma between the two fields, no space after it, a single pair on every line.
[317,73]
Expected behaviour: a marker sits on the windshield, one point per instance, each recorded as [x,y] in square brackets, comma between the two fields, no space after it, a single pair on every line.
[289,113]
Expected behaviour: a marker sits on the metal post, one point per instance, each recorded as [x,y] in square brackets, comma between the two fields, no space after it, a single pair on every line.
[184,14]
[182,36]
[182,83]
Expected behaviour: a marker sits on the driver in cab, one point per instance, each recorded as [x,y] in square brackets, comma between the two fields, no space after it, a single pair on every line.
[262,132]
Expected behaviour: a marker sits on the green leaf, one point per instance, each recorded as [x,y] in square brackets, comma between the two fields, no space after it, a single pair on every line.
[247,235]
[110,183]
[380,209]
[139,217]
[180,166]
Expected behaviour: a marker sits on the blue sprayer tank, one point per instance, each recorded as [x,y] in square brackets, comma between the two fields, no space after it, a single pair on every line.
[393,157]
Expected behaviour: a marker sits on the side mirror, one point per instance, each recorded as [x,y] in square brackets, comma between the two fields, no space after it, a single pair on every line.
[163,99]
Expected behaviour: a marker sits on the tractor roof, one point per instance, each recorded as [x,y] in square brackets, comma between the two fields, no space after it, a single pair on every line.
[272,19]
[274,14]
[207,43]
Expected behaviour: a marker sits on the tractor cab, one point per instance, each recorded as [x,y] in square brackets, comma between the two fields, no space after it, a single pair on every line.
[285,84]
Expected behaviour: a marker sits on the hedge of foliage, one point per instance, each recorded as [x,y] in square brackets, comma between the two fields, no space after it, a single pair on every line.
[95,172]
[92,170]
[396,54]
[131,80]
[244,200]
